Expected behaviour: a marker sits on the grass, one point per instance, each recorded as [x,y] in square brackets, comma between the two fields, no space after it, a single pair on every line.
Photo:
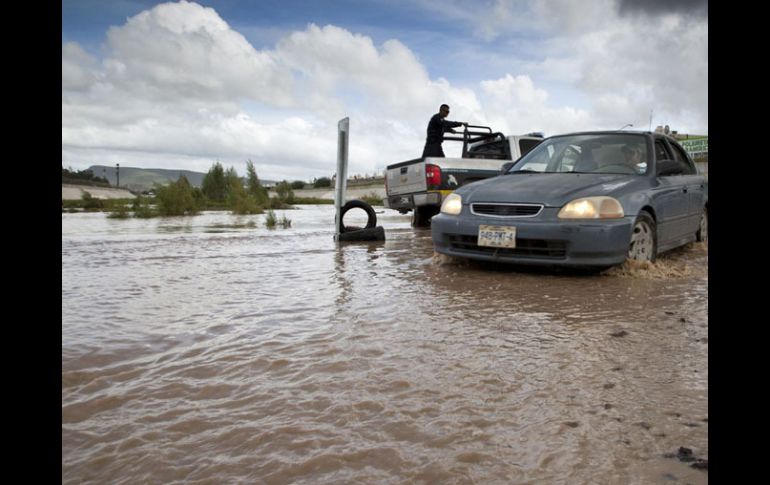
[90,204]
[312,201]
[372,199]
[147,207]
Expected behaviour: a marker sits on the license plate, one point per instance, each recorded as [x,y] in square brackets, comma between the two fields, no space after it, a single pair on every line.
[497,236]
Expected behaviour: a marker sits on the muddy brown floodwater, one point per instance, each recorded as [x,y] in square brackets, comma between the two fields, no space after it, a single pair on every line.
[213,350]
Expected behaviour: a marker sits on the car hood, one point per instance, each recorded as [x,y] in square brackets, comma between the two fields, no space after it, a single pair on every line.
[550,189]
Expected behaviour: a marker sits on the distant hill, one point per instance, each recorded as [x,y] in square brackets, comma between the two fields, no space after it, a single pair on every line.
[144,178]
[139,179]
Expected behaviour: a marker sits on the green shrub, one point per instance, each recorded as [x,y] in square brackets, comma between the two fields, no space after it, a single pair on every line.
[244,204]
[89,202]
[322,182]
[270,220]
[176,199]
[285,194]
[142,209]
[120,212]
[239,200]
[285,222]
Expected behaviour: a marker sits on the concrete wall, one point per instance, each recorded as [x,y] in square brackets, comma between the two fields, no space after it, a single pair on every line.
[350,193]
[75,192]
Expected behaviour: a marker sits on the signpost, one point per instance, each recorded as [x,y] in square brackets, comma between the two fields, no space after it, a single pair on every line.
[343,128]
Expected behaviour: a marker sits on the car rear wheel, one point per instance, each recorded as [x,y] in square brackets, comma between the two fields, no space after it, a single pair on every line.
[644,245]
[703,231]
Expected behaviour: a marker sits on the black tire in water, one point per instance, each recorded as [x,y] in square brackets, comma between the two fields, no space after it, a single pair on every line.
[357,204]
[422,215]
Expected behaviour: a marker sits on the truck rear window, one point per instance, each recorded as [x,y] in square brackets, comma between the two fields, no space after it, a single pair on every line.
[526,145]
[495,150]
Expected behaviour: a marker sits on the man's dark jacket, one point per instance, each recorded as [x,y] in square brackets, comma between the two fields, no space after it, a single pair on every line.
[437,126]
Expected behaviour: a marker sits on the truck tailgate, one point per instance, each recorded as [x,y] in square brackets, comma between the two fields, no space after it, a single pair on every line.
[406,177]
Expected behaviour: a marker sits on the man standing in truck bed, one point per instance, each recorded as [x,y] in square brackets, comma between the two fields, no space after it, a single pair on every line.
[436,129]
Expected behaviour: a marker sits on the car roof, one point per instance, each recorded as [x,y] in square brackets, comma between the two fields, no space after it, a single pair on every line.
[653,134]
[618,132]
[608,132]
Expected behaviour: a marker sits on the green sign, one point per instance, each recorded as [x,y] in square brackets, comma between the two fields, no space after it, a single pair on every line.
[695,145]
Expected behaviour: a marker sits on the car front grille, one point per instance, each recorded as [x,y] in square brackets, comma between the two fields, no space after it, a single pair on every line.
[506,210]
[539,248]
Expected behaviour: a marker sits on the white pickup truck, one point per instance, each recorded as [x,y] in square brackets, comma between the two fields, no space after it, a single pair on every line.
[421,184]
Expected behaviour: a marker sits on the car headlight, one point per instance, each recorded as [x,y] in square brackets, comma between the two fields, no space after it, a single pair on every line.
[592,208]
[452,205]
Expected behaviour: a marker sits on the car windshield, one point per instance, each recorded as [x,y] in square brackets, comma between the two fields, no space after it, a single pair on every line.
[595,153]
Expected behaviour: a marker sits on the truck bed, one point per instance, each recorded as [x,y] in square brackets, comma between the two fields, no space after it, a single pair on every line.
[409,176]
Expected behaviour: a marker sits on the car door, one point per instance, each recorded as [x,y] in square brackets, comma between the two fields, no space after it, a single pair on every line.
[671,200]
[696,184]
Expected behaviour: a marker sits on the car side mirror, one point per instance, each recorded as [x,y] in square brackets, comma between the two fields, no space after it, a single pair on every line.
[506,166]
[669,167]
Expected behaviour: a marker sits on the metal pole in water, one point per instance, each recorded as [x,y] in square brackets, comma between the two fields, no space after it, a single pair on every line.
[372,232]
[343,131]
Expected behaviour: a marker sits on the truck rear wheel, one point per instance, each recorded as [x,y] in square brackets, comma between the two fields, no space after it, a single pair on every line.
[421,216]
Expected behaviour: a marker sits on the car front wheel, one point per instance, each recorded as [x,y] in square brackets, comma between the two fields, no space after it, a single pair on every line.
[703,230]
[643,246]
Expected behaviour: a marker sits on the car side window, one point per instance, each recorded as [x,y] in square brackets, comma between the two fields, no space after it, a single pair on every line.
[681,156]
[661,152]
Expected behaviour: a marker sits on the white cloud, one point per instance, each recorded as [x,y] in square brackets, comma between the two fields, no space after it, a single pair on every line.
[519,88]
[183,50]
[513,104]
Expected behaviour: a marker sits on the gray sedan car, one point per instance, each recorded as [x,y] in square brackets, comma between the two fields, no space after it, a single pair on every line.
[588,199]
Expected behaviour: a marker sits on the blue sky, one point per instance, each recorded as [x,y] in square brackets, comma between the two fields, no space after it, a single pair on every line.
[185,84]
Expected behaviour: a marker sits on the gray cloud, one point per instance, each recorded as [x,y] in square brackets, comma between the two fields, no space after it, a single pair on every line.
[698,8]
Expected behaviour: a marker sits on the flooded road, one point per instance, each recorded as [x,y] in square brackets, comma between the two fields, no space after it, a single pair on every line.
[213,350]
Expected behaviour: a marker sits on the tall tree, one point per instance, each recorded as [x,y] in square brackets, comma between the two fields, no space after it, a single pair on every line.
[285,194]
[232,182]
[254,186]
[214,184]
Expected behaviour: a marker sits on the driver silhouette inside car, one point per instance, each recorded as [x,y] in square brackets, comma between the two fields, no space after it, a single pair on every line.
[634,157]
